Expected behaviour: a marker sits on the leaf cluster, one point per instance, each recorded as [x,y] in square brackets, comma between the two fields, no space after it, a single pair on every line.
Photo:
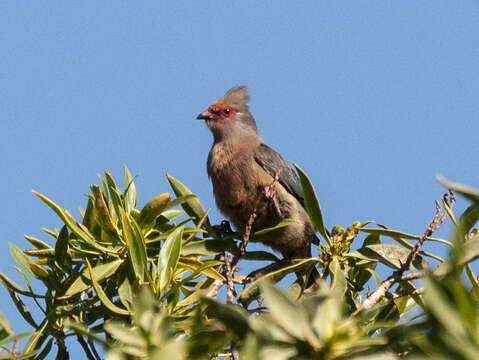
[145,283]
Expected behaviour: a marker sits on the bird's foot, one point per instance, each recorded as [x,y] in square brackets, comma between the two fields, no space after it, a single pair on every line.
[270,195]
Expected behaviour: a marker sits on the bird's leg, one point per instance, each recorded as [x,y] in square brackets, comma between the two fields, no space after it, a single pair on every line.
[270,193]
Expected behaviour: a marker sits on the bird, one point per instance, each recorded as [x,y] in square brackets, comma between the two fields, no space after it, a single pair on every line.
[242,169]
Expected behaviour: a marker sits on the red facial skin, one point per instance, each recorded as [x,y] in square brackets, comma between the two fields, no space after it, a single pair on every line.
[215,112]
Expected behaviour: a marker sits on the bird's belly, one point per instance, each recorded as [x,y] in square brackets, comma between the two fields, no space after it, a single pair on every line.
[236,198]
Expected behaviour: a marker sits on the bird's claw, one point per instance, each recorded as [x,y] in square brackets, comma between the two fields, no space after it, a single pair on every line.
[270,194]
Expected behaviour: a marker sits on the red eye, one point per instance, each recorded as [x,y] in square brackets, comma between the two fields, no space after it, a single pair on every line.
[226,111]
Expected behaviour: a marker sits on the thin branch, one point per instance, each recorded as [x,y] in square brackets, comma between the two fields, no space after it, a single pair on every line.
[15,352]
[229,280]
[93,349]
[397,276]
[85,347]
[217,284]
[398,294]
[433,226]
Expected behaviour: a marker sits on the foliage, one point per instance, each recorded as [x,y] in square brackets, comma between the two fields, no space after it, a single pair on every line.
[144,283]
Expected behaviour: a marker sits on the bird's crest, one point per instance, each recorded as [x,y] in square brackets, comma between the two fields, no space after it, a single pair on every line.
[237,97]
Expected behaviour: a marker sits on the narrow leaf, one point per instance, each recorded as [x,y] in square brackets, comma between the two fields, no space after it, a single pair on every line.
[276,273]
[286,313]
[136,246]
[101,294]
[6,325]
[22,259]
[101,272]
[62,258]
[130,191]
[312,205]
[168,257]
[192,207]
[101,213]
[153,209]
[233,316]
[390,255]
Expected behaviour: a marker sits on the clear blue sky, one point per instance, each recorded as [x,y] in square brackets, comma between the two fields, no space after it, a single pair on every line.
[371,98]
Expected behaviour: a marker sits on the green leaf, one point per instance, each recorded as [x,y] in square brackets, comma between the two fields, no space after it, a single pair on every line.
[83,282]
[259,256]
[205,268]
[399,234]
[181,200]
[171,350]
[286,313]
[76,228]
[168,257]
[136,246]
[466,191]
[22,259]
[39,244]
[153,209]
[102,213]
[233,316]
[62,257]
[468,219]
[312,205]
[6,325]
[283,223]
[208,247]
[46,350]
[130,191]
[11,285]
[363,275]
[193,206]
[37,338]
[115,194]
[276,273]
[436,300]
[125,293]
[88,219]
[101,294]
[251,349]
[339,281]
[390,255]
[22,308]
[126,335]
[469,252]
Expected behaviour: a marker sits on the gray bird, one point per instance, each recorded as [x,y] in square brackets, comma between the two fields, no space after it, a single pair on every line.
[242,169]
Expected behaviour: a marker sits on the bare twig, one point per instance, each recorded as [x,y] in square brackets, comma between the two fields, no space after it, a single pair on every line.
[397,276]
[15,352]
[405,292]
[433,226]
[85,347]
[93,349]
[229,280]
[213,292]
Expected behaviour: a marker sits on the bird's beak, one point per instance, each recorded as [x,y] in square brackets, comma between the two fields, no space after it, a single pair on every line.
[205,115]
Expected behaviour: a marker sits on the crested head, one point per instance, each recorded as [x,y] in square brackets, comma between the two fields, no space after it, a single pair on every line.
[229,117]
[237,97]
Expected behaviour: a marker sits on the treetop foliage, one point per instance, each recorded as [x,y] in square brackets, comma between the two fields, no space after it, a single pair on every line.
[145,283]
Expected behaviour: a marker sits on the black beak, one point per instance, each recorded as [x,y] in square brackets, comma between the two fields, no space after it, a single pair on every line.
[205,115]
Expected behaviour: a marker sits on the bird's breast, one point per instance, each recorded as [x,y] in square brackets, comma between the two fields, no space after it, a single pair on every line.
[235,182]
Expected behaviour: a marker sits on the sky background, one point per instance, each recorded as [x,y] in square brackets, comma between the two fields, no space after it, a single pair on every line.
[372,99]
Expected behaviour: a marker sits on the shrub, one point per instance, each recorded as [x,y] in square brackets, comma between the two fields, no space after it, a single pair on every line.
[144,283]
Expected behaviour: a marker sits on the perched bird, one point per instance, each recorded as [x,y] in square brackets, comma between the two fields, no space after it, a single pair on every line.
[242,169]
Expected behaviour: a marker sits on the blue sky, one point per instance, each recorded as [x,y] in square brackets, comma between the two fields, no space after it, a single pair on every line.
[371,98]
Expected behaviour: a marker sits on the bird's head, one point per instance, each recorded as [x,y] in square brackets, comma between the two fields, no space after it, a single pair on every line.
[229,117]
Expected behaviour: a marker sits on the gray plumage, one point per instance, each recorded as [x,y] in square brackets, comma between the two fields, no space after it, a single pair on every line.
[241,166]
